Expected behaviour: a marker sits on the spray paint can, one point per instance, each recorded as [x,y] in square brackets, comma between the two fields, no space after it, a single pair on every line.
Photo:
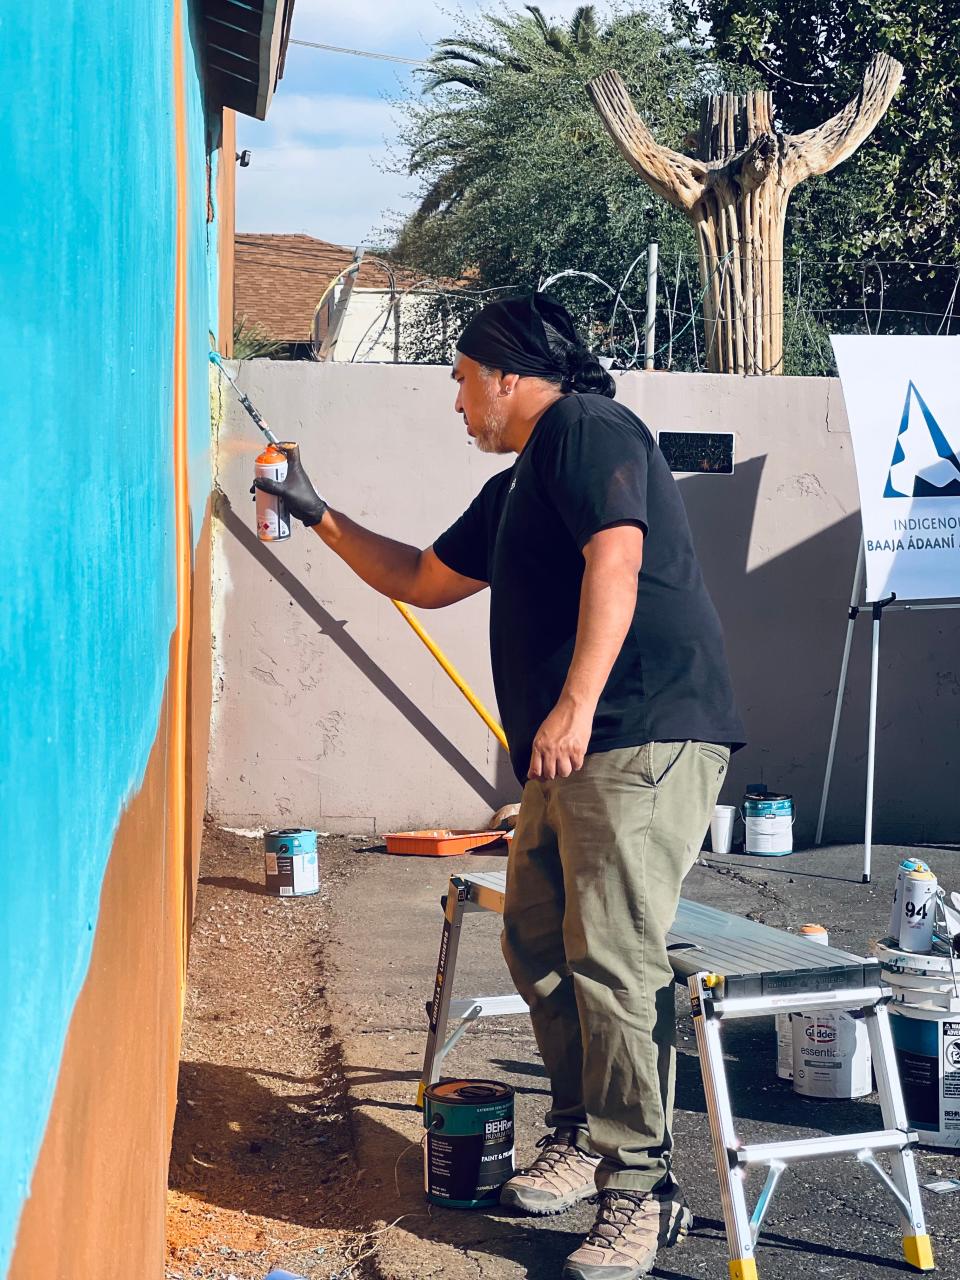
[815,933]
[468,1153]
[896,909]
[273,518]
[919,902]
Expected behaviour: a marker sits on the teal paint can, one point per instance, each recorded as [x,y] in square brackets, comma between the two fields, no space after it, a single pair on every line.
[290,862]
[468,1153]
[768,822]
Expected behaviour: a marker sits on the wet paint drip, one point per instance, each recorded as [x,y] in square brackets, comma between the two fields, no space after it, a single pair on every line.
[290,862]
[468,1154]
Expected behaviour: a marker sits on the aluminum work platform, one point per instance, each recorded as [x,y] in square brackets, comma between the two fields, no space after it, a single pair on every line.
[734,968]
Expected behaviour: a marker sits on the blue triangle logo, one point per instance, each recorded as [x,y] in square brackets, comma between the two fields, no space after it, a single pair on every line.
[923,464]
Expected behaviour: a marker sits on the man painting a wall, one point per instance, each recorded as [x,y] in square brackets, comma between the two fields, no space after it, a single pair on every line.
[613,688]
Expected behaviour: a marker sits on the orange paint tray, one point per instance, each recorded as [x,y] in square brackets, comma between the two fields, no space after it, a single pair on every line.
[440,843]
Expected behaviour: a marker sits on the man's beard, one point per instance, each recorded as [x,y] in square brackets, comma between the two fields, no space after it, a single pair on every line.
[490,436]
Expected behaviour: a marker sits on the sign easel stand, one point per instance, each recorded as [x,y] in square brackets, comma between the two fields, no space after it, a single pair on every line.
[876,607]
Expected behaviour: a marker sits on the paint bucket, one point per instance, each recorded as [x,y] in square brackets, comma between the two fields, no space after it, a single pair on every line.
[721,827]
[927,1043]
[896,907]
[815,933]
[919,907]
[831,1054]
[468,1154]
[290,862]
[768,819]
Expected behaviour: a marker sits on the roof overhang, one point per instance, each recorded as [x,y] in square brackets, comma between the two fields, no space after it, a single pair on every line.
[246,46]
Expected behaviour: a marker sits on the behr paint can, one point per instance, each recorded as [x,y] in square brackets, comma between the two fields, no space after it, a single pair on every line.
[290,862]
[468,1153]
[919,904]
[815,933]
[896,908]
[273,518]
[768,824]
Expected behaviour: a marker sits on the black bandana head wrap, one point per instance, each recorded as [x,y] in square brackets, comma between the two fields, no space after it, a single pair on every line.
[511,335]
[535,338]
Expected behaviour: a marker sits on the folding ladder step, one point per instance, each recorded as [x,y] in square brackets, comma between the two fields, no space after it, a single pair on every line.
[789,1151]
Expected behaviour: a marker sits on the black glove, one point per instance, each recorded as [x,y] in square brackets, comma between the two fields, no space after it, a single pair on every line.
[298,493]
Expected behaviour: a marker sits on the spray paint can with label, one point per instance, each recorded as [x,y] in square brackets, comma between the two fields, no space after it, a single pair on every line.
[273,518]
[919,903]
[896,909]
[815,933]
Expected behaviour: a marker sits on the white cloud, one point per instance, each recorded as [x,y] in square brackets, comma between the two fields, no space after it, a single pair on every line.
[317,159]
[298,116]
[335,193]
[383,25]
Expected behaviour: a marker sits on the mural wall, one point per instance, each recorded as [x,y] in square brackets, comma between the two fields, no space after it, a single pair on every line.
[109,268]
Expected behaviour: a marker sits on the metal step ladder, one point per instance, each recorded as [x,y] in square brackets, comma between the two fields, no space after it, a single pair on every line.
[734,968]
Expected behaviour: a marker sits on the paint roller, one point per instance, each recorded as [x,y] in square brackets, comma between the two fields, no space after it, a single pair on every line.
[405,612]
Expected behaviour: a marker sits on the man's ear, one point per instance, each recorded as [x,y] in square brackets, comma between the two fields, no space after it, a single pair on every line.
[508,383]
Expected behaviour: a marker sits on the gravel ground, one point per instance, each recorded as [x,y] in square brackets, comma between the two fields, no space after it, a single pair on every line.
[297,1137]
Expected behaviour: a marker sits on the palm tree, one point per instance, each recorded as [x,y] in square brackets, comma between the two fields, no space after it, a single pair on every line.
[469,63]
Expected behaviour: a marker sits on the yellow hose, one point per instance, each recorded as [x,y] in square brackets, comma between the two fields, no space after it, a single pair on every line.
[454,675]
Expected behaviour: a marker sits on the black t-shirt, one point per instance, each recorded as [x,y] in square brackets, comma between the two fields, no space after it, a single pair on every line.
[589,464]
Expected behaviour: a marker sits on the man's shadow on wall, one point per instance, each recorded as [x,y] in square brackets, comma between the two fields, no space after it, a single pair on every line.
[492,793]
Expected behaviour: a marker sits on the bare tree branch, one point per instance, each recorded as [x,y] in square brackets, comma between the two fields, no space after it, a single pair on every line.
[821,149]
[675,178]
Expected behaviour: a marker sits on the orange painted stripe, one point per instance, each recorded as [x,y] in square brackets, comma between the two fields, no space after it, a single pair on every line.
[177,760]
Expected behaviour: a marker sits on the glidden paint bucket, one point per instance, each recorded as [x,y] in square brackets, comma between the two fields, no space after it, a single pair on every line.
[815,933]
[831,1054]
[768,820]
[290,862]
[468,1154]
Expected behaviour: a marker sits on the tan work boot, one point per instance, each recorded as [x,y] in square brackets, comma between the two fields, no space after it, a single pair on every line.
[561,1176]
[629,1229]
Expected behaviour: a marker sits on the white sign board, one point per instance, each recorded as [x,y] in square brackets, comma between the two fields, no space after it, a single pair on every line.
[903,404]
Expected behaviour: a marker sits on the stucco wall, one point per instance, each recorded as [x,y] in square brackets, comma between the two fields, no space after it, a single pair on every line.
[328,711]
[103,358]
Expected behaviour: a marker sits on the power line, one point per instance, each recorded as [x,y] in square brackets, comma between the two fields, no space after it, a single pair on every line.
[362,53]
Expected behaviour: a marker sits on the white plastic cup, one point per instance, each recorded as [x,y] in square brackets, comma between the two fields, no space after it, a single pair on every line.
[721,827]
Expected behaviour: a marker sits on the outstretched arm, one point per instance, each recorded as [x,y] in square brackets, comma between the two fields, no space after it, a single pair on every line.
[395,569]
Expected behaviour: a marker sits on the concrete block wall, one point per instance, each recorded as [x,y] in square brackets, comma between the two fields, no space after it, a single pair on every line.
[329,712]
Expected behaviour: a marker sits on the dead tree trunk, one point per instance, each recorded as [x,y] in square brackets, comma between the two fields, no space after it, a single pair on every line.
[735,193]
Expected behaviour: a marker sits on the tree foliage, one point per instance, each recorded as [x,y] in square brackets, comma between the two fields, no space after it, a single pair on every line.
[518,177]
[896,200]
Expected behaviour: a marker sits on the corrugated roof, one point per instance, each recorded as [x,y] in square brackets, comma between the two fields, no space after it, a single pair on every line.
[279,279]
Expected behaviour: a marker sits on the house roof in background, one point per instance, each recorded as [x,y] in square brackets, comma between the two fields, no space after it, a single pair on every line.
[279,279]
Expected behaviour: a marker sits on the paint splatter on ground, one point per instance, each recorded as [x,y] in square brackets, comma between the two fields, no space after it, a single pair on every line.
[262,1171]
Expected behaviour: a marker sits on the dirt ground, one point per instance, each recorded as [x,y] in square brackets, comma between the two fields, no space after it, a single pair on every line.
[262,1172]
[297,1138]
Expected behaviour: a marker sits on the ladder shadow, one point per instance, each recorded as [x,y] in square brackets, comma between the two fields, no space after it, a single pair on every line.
[791,1244]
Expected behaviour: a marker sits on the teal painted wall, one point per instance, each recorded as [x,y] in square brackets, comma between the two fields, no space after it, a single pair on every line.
[88,588]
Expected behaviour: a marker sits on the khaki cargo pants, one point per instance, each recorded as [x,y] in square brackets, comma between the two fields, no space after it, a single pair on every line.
[593,883]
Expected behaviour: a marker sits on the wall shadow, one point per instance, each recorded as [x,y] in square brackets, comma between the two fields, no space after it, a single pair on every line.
[784,622]
[337,632]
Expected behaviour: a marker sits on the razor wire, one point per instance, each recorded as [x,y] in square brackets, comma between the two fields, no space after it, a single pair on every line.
[810,307]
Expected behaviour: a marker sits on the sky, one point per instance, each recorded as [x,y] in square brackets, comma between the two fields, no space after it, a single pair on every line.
[319,160]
